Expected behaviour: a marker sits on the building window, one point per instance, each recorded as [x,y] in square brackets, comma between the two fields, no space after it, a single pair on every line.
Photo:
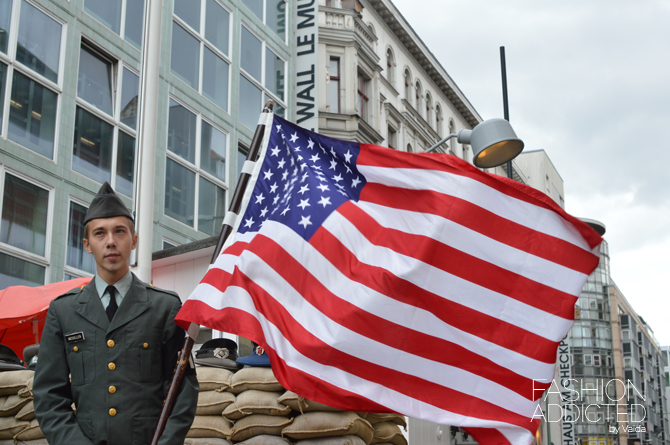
[242,153]
[76,256]
[417,96]
[624,320]
[334,84]
[429,104]
[124,17]
[392,138]
[452,141]
[195,177]
[438,120]
[169,244]
[390,66]
[363,99]
[408,88]
[271,12]
[262,77]
[32,76]
[105,121]
[409,148]
[24,246]
[206,35]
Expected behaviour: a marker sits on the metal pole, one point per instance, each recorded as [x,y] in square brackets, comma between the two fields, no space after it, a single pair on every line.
[503,68]
[146,178]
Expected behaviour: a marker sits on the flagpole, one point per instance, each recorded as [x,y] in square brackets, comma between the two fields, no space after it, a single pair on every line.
[226,230]
[245,176]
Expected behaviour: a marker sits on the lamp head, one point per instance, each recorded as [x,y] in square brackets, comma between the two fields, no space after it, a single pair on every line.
[493,143]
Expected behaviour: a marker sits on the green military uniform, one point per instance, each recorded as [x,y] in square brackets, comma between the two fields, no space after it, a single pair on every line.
[119,370]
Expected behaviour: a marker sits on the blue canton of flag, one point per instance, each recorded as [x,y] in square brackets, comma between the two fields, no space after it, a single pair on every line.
[304,178]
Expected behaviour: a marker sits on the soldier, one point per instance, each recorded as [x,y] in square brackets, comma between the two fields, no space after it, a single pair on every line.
[110,347]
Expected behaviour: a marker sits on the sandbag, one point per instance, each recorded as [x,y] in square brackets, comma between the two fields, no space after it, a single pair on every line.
[265,439]
[207,441]
[388,432]
[254,401]
[210,426]
[298,403]
[33,432]
[12,381]
[261,379]
[212,403]
[338,440]
[375,418]
[27,412]
[258,424]
[324,424]
[10,426]
[10,405]
[213,378]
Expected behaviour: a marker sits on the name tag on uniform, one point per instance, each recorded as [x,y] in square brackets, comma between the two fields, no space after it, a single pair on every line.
[74,337]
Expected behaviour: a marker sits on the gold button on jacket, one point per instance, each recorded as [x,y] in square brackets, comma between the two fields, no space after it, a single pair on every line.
[110,343]
[111,366]
[112,412]
[146,345]
[112,389]
[75,349]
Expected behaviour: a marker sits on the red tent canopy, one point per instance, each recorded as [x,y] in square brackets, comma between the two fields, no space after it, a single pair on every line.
[23,310]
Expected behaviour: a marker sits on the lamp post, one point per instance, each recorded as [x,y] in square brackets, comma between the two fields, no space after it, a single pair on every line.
[493,143]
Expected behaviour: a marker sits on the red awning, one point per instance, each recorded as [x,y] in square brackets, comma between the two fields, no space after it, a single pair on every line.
[23,310]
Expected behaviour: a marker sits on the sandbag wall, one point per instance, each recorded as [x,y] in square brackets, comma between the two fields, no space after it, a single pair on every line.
[17,415]
[250,407]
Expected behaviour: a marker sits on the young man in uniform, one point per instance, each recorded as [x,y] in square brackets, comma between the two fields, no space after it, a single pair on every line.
[110,347]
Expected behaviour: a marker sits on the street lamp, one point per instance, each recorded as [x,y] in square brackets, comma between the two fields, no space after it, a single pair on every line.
[493,143]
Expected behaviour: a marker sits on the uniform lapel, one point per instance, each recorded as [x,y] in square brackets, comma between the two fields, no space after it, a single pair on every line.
[90,307]
[133,305]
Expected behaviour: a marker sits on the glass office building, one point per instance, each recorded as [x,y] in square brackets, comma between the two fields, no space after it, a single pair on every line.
[70,89]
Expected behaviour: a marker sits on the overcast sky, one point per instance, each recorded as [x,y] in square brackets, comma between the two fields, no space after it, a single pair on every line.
[588,82]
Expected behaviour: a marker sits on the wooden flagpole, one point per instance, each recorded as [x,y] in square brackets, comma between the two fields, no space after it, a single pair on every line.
[226,230]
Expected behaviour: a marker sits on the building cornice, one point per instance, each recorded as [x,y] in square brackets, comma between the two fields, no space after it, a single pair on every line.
[428,62]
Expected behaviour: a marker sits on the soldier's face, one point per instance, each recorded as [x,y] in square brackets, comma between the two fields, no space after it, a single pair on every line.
[111,241]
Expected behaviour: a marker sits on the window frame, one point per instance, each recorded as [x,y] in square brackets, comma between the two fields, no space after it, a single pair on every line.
[261,84]
[115,119]
[264,19]
[363,96]
[24,255]
[9,59]
[392,137]
[390,66]
[122,25]
[438,120]
[67,269]
[337,79]
[429,104]
[204,43]
[418,95]
[196,166]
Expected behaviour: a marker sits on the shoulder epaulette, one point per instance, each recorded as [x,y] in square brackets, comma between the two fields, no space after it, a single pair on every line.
[75,291]
[165,291]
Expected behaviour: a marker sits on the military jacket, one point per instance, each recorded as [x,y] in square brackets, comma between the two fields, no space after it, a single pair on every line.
[116,373]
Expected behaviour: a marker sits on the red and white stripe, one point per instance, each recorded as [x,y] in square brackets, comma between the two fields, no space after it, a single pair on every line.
[442,295]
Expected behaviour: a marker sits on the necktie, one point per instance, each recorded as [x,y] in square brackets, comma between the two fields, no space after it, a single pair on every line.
[112,307]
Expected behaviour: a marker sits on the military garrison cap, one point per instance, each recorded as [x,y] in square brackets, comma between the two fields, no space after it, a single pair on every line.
[106,204]
[9,360]
[218,353]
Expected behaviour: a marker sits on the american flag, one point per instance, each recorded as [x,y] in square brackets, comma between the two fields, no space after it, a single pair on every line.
[385,281]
